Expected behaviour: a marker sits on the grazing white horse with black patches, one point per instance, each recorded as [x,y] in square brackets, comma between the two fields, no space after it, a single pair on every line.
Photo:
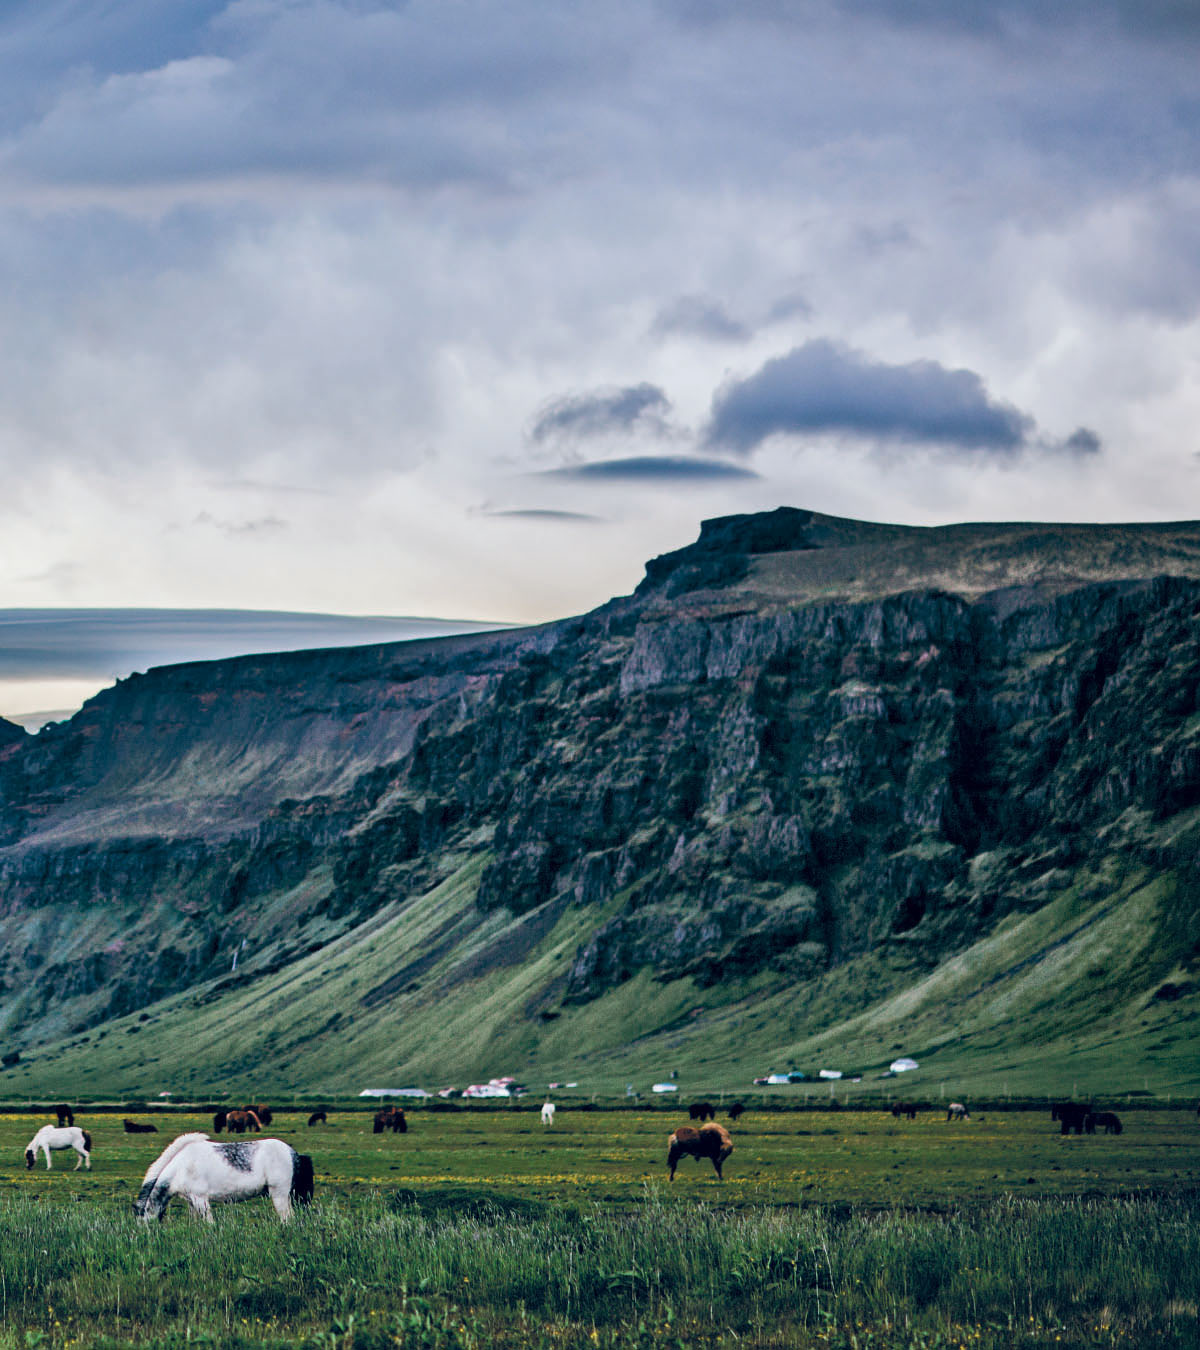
[60,1136]
[548,1113]
[204,1171]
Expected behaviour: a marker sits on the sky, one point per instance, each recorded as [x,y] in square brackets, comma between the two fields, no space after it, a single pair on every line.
[460,309]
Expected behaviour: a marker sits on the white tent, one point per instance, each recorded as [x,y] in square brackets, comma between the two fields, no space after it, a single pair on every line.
[393,1092]
[903,1065]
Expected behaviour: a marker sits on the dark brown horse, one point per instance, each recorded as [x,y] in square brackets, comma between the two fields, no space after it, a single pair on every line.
[710,1141]
[908,1109]
[65,1115]
[702,1111]
[219,1120]
[390,1118]
[132,1127]
[318,1118]
[736,1110]
[262,1112]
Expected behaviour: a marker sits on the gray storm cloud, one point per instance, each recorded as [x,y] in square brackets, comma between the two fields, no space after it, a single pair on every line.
[825,387]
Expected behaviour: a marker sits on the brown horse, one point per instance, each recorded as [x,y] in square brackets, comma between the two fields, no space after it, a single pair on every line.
[219,1120]
[908,1109]
[710,1141]
[736,1110]
[65,1115]
[132,1127]
[702,1111]
[238,1122]
[318,1118]
[390,1118]
[262,1112]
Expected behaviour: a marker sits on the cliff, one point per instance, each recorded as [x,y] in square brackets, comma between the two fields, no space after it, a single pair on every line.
[802,743]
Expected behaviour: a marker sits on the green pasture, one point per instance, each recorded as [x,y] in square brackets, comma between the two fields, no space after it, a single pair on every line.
[845,1157]
[481,1227]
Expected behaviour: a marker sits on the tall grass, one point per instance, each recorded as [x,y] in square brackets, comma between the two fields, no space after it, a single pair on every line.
[385,1273]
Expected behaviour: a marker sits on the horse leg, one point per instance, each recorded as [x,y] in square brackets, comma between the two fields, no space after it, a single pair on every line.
[80,1161]
[200,1207]
[282,1200]
[46,1150]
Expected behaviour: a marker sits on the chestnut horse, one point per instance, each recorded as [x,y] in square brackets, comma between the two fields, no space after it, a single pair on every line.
[238,1122]
[390,1118]
[710,1141]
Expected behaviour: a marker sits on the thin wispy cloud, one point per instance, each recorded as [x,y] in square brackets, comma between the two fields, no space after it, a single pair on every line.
[679,470]
[603,412]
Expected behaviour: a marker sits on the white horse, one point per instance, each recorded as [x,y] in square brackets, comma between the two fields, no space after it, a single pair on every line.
[60,1136]
[203,1171]
[957,1111]
[548,1113]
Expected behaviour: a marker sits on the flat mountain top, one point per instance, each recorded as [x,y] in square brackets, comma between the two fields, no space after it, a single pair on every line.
[788,557]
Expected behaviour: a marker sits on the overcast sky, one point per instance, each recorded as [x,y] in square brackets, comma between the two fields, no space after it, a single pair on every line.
[466,309]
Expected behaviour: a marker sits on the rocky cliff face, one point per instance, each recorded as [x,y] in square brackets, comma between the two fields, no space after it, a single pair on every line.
[766,760]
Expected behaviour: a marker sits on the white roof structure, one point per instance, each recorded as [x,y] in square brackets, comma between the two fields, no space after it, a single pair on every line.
[829,1073]
[903,1065]
[664,1087]
[393,1092]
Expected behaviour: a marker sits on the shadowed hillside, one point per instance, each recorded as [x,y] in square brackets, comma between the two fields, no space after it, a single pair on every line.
[818,788]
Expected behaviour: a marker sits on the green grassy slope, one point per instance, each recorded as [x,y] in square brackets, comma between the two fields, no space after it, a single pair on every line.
[434,992]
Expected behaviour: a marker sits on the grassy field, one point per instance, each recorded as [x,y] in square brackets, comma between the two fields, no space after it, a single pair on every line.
[482,1227]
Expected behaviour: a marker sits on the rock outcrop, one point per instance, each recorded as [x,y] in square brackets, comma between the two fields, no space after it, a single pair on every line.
[767,759]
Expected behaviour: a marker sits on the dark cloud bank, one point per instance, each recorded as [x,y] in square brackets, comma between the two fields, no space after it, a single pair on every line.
[824,387]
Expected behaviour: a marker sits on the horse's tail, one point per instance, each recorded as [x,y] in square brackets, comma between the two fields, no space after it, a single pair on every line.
[302,1178]
[254,1120]
[87,1140]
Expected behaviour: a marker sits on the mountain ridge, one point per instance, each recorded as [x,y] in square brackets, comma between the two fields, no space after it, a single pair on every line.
[738,785]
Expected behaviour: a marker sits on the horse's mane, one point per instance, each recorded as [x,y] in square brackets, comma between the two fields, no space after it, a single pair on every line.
[172,1150]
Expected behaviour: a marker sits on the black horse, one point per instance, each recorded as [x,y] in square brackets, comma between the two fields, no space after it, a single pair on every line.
[318,1118]
[1108,1121]
[132,1127]
[908,1109]
[702,1111]
[736,1110]
[1072,1116]
[65,1115]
